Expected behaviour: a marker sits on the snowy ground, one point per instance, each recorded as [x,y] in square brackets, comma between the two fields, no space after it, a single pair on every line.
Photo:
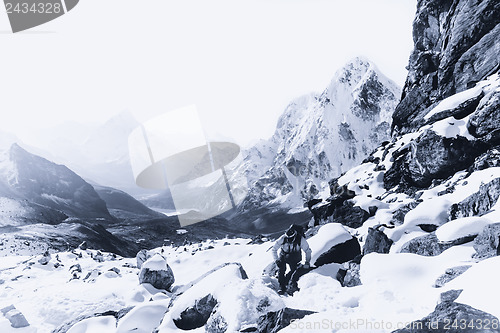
[396,289]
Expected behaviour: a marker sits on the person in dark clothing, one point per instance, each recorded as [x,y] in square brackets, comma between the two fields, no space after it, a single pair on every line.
[290,247]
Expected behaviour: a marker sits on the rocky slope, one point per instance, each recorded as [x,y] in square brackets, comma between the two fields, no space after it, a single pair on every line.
[433,190]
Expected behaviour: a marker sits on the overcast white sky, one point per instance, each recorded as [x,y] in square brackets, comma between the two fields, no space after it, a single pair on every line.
[239,61]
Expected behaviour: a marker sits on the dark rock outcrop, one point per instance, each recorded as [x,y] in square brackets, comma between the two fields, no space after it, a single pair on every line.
[431,157]
[349,215]
[338,207]
[377,241]
[427,245]
[484,122]
[447,313]
[489,159]
[272,322]
[340,253]
[197,315]
[455,45]
[478,203]
[486,243]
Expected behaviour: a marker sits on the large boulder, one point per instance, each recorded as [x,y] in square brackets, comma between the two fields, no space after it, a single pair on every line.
[273,322]
[489,159]
[340,253]
[197,315]
[487,242]
[455,45]
[446,314]
[333,244]
[431,157]
[157,273]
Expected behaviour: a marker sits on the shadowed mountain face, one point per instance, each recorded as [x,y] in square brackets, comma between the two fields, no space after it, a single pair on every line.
[45,203]
[47,191]
[456,45]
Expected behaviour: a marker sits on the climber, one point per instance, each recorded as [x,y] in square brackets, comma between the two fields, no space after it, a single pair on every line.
[290,245]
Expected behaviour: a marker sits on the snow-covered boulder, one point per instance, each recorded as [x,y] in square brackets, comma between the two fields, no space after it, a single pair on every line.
[236,301]
[44,260]
[461,230]
[197,315]
[333,243]
[426,245]
[431,156]
[157,273]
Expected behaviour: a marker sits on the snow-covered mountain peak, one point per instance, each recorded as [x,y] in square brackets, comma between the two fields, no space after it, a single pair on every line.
[319,136]
[353,71]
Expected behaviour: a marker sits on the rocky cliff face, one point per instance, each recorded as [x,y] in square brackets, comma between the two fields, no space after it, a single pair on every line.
[456,45]
[433,190]
[319,136]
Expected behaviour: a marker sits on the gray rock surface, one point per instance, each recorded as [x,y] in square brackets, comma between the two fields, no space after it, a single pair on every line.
[197,315]
[486,243]
[445,314]
[377,241]
[431,157]
[484,121]
[450,274]
[427,245]
[272,322]
[158,278]
[455,45]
